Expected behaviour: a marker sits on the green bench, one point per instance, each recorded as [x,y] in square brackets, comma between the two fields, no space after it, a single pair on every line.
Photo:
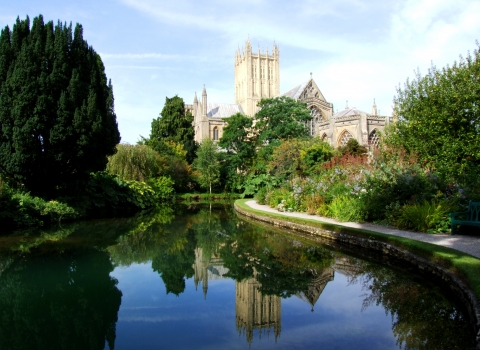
[471,217]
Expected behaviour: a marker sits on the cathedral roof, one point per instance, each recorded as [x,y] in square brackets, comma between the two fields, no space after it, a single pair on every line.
[222,110]
[349,112]
[296,91]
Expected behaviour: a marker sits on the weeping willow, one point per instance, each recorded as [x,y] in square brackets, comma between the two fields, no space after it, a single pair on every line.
[136,162]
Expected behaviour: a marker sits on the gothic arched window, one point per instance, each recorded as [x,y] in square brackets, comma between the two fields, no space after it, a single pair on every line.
[373,139]
[316,114]
[324,137]
[215,134]
[344,137]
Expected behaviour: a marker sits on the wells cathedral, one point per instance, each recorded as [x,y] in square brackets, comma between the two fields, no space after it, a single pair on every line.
[257,76]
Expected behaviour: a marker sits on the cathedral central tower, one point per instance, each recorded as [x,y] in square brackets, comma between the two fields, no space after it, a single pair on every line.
[257,76]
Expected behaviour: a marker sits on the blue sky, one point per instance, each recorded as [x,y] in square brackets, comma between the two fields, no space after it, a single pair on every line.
[356,50]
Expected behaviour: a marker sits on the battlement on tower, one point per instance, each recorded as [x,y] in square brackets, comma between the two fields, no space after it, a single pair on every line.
[257,76]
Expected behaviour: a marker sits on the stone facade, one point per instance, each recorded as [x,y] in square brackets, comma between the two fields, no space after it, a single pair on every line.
[257,76]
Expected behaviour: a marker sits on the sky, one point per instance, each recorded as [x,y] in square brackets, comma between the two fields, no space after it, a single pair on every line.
[356,50]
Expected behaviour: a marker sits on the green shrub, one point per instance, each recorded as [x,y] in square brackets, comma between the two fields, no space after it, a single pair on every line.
[391,183]
[346,208]
[24,210]
[107,195]
[253,183]
[162,186]
[276,196]
[261,196]
[431,217]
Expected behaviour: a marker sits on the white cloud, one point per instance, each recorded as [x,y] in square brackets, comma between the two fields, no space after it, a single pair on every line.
[437,31]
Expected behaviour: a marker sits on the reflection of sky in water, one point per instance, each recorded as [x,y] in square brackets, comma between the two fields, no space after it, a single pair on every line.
[151,319]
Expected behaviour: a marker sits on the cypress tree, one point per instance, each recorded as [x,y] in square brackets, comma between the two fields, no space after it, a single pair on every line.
[56,108]
[175,125]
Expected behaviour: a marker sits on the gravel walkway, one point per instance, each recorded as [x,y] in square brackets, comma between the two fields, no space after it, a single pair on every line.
[466,244]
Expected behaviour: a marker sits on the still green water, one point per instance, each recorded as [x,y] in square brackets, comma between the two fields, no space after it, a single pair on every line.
[201,278]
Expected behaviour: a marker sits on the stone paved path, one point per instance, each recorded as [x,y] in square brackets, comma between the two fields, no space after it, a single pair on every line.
[466,244]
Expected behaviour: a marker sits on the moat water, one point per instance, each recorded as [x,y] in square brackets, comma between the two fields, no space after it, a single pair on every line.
[199,277]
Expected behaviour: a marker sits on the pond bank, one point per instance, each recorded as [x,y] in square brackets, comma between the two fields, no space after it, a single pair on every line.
[458,269]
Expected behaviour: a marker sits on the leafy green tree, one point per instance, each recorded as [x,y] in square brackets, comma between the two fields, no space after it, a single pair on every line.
[314,153]
[281,118]
[237,140]
[439,118]
[239,145]
[207,164]
[175,125]
[57,114]
[136,162]
[286,159]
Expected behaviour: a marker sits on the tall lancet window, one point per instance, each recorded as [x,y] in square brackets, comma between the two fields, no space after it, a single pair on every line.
[215,134]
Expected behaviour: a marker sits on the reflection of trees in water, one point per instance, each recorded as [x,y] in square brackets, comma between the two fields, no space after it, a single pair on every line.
[169,241]
[174,263]
[422,317]
[283,266]
[62,301]
[166,241]
[83,234]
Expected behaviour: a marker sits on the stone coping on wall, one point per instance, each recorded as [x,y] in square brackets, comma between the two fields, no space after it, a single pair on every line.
[457,286]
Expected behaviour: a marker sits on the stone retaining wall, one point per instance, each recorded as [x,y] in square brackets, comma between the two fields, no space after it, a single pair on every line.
[457,286]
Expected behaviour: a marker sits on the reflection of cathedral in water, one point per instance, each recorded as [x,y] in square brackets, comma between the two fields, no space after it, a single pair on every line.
[316,286]
[256,311]
[262,313]
[207,268]
[342,265]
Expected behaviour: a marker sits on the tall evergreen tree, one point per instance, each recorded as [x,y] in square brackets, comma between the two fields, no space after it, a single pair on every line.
[175,125]
[57,114]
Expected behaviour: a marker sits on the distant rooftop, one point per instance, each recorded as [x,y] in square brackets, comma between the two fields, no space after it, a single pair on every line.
[348,112]
[296,91]
[222,110]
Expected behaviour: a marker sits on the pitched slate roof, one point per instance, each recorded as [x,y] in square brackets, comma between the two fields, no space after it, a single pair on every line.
[348,112]
[222,110]
[296,91]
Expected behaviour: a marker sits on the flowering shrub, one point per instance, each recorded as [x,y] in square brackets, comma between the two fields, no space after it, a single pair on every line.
[390,188]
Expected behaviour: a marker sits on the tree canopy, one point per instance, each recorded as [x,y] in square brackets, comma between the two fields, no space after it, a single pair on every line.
[237,140]
[57,114]
[239,145]
[281,118]
[207,164]
[136,162]
[439,117]
[174,125]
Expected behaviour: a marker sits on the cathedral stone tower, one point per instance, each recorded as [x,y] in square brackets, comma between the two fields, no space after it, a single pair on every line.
[257,76]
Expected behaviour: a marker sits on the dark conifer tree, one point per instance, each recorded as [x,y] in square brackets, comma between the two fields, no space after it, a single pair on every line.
[175,125]
[56,108]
